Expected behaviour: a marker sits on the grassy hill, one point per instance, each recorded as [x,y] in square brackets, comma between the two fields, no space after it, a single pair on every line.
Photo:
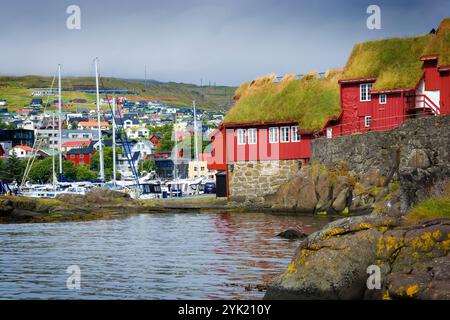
[16,90]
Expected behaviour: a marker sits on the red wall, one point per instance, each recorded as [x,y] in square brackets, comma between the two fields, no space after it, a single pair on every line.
[226,150]
[86,160]
[445,92]
[384,116]
[264,150]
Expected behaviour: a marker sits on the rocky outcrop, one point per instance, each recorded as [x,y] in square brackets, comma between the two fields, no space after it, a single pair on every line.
[318,189]
[333,263]
[416,154]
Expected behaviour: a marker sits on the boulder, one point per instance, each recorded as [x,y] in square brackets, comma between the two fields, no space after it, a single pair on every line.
[292,234]
[332,263]
[418,158]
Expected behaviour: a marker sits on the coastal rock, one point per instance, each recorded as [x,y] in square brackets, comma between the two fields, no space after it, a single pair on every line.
[332,263]
[6,207]
[292,234]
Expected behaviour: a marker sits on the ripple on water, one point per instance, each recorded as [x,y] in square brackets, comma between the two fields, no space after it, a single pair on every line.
[162,256]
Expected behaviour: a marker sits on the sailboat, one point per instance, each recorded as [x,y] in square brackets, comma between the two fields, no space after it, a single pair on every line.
[55,188]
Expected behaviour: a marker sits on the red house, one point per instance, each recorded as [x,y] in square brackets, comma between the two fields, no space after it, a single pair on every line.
[386,82]
[80,156]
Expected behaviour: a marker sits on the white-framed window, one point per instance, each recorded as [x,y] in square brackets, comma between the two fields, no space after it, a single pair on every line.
[383,99]
[329,132]
[252,136]
[284,133]
[364,91]
[273,135]
[295,136]
[367,121]
[241,136]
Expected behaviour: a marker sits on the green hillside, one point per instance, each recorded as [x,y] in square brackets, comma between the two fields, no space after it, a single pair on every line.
[16,90]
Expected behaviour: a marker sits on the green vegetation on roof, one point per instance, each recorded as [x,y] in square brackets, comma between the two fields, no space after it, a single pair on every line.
[394,62]
[440,44]
[310,100]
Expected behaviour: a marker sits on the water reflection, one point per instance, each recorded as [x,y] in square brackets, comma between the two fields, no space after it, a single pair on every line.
[167,256]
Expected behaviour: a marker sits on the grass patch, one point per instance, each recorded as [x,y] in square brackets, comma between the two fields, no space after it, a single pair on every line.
[310,101]
[440,43]
[430,209]
[394,62]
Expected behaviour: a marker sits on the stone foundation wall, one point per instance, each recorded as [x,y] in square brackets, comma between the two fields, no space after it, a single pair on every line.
[417,154]
[252,180]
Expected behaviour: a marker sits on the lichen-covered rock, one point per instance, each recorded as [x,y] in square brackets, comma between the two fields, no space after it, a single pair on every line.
[332,263]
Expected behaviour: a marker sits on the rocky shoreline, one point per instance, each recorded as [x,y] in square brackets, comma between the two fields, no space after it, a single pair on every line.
[333,263]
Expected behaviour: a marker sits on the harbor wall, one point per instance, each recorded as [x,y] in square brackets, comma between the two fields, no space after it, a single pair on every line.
[252,180]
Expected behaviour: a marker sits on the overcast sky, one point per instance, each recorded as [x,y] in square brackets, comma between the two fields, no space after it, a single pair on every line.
[227,42]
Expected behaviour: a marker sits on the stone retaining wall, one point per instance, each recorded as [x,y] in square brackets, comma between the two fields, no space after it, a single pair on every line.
[252,180]
[417,154]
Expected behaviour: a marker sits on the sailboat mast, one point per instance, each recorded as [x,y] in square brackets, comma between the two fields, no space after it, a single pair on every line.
[100,147]
[53,154]
[60,124]
[114,139]
[195,134]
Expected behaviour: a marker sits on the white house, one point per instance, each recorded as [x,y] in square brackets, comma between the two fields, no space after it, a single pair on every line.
[143,147]
[138,133]
[21,151]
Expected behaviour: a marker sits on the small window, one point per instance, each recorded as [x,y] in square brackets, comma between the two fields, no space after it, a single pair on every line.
[367,121]
[364,90]
[252,136]
[81,156]
[273,135]
[241,135]
[383,99]
[284,134]
[295,136]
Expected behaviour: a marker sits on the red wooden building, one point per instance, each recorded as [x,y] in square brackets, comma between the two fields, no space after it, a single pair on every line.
[80,156]
[397,84]
[234,142]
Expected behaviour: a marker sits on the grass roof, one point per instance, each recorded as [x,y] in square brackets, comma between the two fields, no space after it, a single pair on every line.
[394,62]
[310,101]
[440,44]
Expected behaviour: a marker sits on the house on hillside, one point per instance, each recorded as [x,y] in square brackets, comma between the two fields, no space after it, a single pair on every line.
[69,145]
[264,142]
[92,125]
[383,84]
[80,156]
[21,151]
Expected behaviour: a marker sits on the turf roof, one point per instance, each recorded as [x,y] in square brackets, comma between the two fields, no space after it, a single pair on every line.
[440,44]
[310,101]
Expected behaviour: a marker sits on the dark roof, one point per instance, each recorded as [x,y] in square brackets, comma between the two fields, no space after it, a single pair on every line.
[80,150]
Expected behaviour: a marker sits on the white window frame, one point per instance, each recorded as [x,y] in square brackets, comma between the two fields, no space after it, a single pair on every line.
[252,136]
[295,134]
[274,138]
[282,136]
[364,92]
[241,133]
[367,121]
[381,100]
